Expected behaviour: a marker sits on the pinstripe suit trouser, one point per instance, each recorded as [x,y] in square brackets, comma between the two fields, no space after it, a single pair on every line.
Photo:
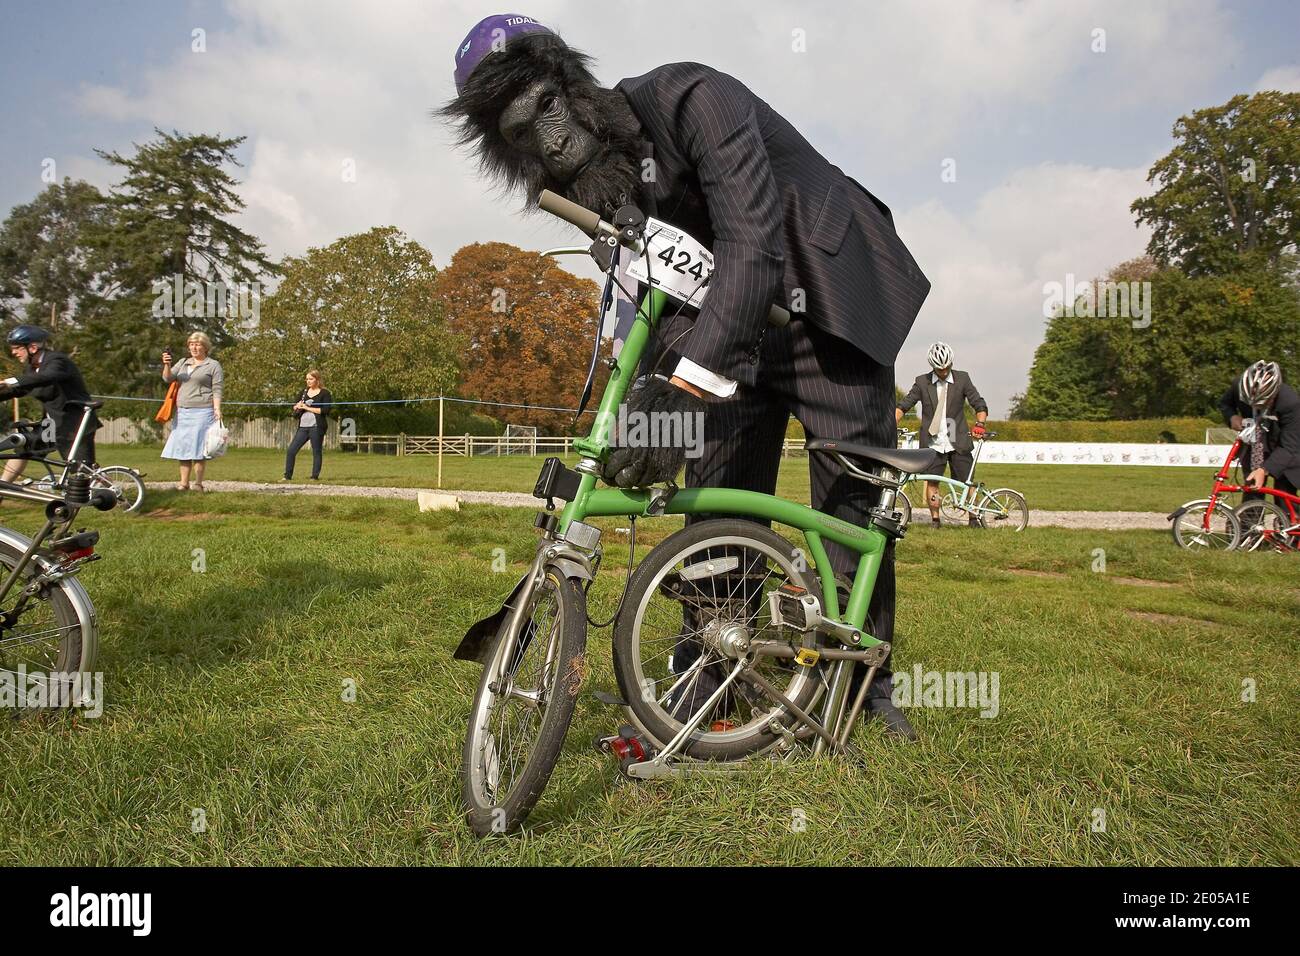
[835,391]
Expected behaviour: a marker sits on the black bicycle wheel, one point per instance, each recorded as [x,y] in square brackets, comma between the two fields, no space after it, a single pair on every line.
[698,590]
[49,639]
[523,707]
[126,484]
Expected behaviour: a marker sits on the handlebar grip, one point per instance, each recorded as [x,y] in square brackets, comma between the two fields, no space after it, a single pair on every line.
[778,317]
[570,212]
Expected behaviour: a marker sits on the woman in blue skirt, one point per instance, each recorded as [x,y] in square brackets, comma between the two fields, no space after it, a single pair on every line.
[198,407]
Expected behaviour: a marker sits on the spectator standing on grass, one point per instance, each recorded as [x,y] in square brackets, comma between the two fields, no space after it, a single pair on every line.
[1261,395]
[943,394]
[53,379]
[311,410]
[198,407]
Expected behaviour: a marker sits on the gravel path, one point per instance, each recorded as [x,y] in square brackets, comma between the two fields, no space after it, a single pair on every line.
[1098,520]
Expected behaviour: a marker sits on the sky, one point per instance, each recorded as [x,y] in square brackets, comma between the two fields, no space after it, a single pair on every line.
[1008,138]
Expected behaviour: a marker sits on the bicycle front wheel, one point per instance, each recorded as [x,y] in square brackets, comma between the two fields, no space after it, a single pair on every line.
[1200,528]
[523,708]
[49,632]
[124,482]
[1004,509]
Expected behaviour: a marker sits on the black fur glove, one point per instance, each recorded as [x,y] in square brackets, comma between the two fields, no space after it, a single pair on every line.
[642,462]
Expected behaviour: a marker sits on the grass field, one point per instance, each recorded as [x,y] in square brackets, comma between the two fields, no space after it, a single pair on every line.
[1120,692]
[1049,487]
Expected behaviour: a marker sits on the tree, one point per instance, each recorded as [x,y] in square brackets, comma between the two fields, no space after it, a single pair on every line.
[1230,188]
[364,311]
[48,260]
[528,327]
[1203,331]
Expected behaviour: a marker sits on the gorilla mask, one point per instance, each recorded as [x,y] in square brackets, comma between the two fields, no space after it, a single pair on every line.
[538,119]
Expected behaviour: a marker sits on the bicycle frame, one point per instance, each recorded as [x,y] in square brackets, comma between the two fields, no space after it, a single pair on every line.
[1223,487]
[570,545]
[968,488]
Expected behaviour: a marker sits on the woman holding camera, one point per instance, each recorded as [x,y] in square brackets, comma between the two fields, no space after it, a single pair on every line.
[311,409]
[198,407]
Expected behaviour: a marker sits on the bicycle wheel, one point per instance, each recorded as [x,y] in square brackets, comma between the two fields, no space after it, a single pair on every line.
[51,633]
[1263,527]
[523,707]
[1005,510]
[950,511]
[696,596]
[903,505]
[125,482]
[1197,528]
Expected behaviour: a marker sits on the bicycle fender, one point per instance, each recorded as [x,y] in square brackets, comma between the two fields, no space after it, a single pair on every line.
[571,569]
[481,638]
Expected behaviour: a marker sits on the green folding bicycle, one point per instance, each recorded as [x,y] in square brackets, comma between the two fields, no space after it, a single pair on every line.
[998,508]
[729,640]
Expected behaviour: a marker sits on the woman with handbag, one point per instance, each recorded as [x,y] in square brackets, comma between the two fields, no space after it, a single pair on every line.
[311,409]
[198,407]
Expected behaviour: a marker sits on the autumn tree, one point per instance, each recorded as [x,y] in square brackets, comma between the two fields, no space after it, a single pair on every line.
[362,310]
[528,326]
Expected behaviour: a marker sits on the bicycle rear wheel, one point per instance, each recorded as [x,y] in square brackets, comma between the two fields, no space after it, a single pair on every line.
[696,596]
[126,484]
[1200,528]
[53,634]
[523,708]
[1263,527]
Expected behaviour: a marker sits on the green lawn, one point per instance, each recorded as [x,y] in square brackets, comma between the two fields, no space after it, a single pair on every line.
[1049,487]
[1119,691]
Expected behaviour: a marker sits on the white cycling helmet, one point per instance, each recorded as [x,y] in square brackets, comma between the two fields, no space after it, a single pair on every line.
[1260,383]
[940,356]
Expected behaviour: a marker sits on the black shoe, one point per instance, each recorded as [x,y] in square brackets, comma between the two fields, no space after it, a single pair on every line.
[974,522]
[935,523]
[880,705]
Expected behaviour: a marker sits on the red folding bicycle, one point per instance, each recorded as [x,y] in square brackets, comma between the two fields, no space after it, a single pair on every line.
[1258,524]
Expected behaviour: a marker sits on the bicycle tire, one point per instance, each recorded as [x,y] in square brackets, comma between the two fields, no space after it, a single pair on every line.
[489,812]
[1263,527]
[644,707]
[72,612]
[1193,535]
[104,477]
[1016,507]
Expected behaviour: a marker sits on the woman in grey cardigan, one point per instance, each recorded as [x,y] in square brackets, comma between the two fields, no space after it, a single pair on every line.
[198,407]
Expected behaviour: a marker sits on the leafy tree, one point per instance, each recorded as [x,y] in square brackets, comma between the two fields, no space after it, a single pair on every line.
[528,327]
[364,311]
[48,260]
[1230,188]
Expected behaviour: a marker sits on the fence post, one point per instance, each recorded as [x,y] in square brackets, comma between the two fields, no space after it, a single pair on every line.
[401,444]
[439,441]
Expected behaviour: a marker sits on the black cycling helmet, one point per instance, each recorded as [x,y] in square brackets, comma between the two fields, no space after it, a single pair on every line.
[27,334]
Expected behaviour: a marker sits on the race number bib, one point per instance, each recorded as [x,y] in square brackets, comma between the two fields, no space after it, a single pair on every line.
[674,263]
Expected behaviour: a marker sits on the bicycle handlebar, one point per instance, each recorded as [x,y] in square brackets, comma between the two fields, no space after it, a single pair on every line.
[595,227]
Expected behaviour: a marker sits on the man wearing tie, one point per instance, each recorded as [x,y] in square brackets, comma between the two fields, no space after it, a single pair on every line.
[943,393]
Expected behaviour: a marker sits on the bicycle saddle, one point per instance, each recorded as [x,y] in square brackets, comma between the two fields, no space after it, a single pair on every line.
[910,460]
[73,401]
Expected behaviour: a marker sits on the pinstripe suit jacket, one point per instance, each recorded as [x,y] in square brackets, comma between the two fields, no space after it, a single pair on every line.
[778,217]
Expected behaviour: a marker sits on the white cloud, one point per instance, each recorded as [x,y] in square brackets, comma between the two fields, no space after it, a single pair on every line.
[1283,78]
[988,269]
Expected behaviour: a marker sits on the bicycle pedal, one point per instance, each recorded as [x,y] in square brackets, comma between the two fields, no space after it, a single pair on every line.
[608,699]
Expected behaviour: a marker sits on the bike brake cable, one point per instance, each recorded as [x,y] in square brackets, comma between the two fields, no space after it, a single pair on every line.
[627,581]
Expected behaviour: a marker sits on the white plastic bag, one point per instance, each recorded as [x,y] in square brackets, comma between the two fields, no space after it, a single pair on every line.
[214,442]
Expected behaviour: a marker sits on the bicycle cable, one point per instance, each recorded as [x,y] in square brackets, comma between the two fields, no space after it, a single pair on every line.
[627,581]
